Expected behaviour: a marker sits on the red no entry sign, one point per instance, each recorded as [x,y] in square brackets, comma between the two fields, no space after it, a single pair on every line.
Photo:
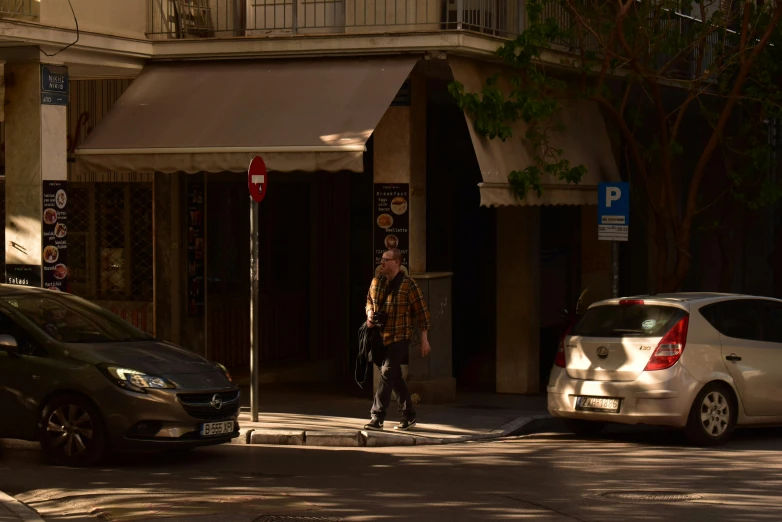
[257,179]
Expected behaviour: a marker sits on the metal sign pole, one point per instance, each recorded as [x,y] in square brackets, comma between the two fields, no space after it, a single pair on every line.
[613,222]
[257,181]
[254,312]
[615,268]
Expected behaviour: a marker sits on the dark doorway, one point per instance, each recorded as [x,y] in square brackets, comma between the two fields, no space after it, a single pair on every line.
[303,273]
[361,255]
[461,238]
[227,270]
[560,277]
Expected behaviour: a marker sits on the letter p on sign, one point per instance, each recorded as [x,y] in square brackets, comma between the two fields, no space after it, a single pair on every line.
[612,194]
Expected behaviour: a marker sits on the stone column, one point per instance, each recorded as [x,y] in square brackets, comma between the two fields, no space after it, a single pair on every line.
[400,157]
[518,299]
[35,151]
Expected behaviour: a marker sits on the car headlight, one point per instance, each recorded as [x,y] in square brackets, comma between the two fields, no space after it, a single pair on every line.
[225,371]
[134,379]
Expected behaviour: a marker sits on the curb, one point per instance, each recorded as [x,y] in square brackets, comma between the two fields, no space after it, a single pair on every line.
[277,437]
[19,509]
[373,439]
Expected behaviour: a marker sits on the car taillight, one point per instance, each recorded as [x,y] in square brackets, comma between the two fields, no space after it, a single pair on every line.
[627,302]
[670,348]
[559,360]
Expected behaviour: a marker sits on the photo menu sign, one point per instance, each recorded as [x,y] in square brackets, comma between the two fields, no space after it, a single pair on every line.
[392,221]
[55,234]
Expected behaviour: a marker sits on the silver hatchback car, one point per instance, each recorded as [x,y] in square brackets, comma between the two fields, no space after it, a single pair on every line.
[82,382]
[702,362]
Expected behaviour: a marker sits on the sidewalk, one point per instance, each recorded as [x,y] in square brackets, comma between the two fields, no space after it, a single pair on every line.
[329,418]
[11,510]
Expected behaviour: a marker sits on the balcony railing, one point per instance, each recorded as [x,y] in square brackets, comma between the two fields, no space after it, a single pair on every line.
[21,9]
[231,18]
[177,19]
[672,27]
[685,64]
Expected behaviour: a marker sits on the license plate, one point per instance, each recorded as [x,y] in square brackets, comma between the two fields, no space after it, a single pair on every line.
[597,404]
[217,428]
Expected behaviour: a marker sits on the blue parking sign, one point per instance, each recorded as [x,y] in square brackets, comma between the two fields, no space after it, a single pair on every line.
[613,211]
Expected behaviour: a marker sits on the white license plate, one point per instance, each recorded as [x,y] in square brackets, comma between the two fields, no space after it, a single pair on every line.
[597,404]
[217,428]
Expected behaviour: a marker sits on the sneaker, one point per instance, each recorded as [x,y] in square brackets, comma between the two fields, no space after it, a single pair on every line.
[405,425]
[374,424]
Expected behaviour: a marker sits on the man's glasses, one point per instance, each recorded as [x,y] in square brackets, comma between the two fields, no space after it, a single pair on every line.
[386,259]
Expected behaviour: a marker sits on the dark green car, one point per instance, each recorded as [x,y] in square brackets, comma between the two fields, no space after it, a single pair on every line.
[83,382]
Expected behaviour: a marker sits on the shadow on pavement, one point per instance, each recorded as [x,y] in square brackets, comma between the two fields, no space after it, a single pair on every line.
[550,477]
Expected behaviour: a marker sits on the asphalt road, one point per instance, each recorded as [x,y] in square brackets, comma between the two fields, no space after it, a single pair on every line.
[553,477]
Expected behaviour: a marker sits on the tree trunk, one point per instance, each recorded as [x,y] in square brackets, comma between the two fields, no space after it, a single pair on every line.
[726,271]
[671,281]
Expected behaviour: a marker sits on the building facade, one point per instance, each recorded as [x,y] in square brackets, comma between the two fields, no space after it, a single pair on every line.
[148,115]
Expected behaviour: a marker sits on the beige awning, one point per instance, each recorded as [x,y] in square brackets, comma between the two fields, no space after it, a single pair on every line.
[305,115]
[584,141]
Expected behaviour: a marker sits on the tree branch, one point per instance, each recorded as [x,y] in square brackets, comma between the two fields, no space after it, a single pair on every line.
[744,30]
[708,151]
[680,116]
[631,143]
[625,97]
[581,23]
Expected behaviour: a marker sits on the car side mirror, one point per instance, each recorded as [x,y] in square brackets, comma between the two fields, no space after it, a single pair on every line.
[8,343]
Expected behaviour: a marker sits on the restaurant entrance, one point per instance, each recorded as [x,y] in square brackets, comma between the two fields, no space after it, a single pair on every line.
[303,275]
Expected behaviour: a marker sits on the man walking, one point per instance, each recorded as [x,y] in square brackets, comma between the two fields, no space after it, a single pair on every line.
[392,301]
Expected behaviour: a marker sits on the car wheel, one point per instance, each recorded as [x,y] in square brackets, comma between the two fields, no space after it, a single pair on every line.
[712,416]
[584,428]
[72,432]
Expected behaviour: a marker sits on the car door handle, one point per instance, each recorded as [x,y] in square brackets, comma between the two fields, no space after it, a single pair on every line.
[733,357]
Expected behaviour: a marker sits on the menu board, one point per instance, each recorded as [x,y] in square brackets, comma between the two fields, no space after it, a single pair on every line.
[23,275]
[55,234]
[195,249]
[392,222]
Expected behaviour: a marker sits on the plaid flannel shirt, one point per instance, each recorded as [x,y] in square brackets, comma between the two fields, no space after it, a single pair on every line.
[409,300]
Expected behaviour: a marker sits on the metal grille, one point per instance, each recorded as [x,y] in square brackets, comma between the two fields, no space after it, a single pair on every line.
[123,223]
[141,243]
[648,496]
[207,412]
[671,29]
[110,248]
[19,8]
[2,202]
[2,230]
[199,406]
[78,239]
[225,18]
[110,222]
[289,518]
[205,398]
